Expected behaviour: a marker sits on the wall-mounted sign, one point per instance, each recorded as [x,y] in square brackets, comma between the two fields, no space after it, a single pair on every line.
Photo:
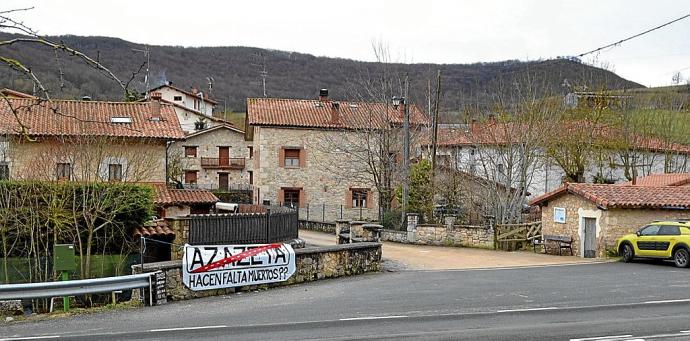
[207,267]
[559,215]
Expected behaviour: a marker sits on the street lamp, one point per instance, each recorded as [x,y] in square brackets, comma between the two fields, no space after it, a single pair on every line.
[397,102]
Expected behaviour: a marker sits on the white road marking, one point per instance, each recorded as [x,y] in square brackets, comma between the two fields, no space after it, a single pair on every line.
[668,301]
[526,309]
[612,337]
[186,328]
[685,331]
[32,338]
[373,318]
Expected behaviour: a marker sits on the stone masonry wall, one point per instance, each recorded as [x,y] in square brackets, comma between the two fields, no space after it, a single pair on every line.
[311,264]
[317,226]
[324,178]
[447,235]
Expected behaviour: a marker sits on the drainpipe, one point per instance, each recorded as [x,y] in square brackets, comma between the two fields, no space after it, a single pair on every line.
[168,143]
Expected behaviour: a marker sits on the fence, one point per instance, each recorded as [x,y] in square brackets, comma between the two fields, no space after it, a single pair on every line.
[323,212]
[275,225]
[511,237]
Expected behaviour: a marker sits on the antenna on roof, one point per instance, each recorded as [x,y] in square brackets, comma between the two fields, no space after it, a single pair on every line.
[263,71]
[147,54]
[209,79]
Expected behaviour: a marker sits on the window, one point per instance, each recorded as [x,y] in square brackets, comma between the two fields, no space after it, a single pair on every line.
[291,197]
[359,198]
[190,177]
[4,171]
[501,169]
[251,177]
[292,158]
[64,171]
[114,172]
[650,230]
[196,104]
[669,230]
[190,151]
[177,98]
[250,150]
[121,119]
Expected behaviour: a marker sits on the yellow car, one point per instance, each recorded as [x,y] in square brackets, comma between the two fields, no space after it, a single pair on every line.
[660,239]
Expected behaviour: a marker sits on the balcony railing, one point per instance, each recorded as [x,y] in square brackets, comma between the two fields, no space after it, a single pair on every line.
[223,162]
[213,187]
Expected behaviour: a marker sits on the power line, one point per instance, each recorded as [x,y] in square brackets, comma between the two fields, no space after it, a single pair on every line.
[632,37]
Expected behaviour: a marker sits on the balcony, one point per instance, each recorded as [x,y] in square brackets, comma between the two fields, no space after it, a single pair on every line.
[222,163]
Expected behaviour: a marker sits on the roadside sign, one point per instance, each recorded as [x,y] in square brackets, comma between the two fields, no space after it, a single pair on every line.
[206,267]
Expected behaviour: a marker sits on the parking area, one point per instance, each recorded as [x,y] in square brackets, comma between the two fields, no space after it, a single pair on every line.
[421,257]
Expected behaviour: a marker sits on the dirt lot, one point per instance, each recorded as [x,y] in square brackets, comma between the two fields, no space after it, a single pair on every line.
[420,257]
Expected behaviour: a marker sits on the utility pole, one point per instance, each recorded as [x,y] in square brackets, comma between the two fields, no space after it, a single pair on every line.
[434,123]
[406,151]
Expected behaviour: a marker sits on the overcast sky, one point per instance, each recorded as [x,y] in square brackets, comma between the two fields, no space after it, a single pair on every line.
[415,31]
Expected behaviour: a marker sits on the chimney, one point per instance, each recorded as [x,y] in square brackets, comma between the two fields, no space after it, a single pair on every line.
[195,90]
[335,113]
[155,105]
[323,95]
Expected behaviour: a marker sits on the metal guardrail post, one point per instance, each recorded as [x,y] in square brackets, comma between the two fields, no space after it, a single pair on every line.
[323,213]
[268,224]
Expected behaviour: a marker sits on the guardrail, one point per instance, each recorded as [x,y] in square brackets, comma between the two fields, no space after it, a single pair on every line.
[76,287]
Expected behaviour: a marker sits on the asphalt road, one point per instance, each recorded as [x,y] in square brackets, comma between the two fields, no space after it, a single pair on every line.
[629,301]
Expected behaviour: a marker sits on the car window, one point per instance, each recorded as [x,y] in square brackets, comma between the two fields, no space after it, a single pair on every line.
[650,230]
[669,230]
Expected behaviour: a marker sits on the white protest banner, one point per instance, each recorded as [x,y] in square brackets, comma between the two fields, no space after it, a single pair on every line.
[207,267]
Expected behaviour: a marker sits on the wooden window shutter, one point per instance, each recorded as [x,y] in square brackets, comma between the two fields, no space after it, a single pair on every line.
[370,199]
[302,198]
[302,158]
[281,196]
[348,198]
[281,157]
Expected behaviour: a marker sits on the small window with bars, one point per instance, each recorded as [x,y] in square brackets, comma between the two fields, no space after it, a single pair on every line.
[114,172]
[292,158]
[360,197]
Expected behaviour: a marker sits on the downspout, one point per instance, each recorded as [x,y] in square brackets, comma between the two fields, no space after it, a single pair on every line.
[168,143]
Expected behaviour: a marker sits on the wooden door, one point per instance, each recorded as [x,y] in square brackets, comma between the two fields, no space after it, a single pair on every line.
[590,247]
[223,181]
[223,156]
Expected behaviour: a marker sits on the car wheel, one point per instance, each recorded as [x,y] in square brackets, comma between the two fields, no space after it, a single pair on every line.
[681,257]
[627,252]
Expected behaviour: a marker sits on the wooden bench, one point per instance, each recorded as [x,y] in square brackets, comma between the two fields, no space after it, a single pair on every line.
[563,242]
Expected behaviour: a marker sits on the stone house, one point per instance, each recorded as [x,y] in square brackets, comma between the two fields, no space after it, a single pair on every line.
[493,150]
[214,158]
[312,154]
[86,140]
[596,215]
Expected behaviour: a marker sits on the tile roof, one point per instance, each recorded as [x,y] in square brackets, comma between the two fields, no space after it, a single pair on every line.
[189,93]
[88,118]
[317,114]
[214,128]
[669,179]
[155,228]
[165,196]
[492,133]
[617,196]
[15,94]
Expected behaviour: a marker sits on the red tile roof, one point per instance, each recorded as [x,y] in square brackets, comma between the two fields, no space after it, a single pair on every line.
[317,114]
[189,93]
[166,196]
[617,196]
[492,133]
[155,228]
[669,179]
[14,94]
[87,118]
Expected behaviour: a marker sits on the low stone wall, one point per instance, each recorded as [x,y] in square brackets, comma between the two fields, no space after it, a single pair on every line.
[449,234]
[454,235]
[317,226]
[311,264]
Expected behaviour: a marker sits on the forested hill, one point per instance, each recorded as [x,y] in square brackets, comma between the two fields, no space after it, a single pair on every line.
[237,73]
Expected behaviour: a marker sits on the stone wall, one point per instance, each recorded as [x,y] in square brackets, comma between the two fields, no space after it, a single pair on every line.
[448,234]
[325,177]
[317,226]
[311,264]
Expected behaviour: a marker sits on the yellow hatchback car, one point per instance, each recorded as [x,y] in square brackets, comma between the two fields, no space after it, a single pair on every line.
[661,239]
